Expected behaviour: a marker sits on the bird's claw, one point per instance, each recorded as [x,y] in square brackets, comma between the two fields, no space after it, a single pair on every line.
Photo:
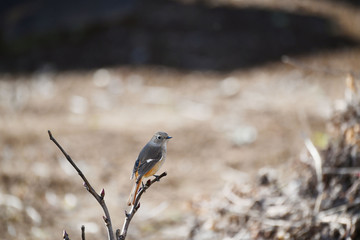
[157,177]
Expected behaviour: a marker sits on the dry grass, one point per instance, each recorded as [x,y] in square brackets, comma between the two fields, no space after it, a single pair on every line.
[222,123]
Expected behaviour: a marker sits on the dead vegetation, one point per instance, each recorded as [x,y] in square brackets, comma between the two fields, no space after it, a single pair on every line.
[320,201]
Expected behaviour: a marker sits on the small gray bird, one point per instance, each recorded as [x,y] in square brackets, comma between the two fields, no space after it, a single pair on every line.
[149,161]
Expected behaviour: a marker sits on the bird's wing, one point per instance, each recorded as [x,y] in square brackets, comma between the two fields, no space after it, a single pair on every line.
[136,167]
[148,158]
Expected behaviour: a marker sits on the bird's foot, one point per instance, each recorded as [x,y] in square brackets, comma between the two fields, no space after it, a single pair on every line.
[157,178]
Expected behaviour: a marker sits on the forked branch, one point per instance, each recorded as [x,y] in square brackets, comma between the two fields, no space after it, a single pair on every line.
[87,185]
[135,207]
[120,235]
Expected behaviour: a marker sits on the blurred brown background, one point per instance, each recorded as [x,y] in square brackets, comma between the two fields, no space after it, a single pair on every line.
[104,76]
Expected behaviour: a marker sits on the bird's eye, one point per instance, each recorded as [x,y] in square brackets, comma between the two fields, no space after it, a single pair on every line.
[158,137]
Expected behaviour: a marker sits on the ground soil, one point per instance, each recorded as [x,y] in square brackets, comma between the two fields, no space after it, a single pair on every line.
[224,125]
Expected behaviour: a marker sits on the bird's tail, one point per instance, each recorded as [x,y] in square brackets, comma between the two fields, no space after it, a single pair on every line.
[134,191]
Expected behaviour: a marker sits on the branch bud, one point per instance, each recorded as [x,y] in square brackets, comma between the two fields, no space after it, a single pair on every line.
[138,206]
[102,193]
[106,220]
[65,235]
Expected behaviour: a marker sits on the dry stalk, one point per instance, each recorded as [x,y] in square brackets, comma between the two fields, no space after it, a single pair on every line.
[318,169]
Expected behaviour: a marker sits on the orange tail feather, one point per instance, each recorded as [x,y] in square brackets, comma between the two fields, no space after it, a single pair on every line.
[134,191]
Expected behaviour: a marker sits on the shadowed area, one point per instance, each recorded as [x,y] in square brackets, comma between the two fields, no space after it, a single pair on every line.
[167,33]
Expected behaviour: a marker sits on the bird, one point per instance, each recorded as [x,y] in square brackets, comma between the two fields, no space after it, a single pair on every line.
[150,159]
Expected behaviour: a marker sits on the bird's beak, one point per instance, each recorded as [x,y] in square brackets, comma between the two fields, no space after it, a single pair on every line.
[168,137]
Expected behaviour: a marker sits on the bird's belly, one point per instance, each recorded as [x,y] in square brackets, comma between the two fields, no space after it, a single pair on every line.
[155,168]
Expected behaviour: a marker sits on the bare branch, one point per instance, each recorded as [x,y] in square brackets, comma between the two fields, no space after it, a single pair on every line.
[117,234]
[87,185]
[136,206]
[100,199]
[82,232]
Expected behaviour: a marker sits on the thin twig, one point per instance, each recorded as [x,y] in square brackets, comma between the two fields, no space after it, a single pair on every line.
[135,207]
[82,232]
[99,198]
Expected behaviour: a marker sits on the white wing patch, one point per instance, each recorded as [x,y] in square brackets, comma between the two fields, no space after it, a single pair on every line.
[150,160]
